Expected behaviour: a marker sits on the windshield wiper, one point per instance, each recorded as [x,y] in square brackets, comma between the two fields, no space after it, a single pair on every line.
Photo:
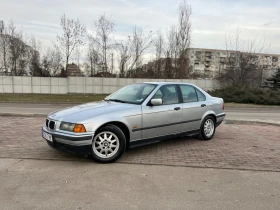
[117,100]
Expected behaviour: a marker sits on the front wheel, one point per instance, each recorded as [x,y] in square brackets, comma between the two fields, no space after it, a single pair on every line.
[108,144]
[207,128]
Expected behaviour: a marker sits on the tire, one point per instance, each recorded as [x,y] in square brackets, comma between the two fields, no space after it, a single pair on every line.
[207,128]
[108,144]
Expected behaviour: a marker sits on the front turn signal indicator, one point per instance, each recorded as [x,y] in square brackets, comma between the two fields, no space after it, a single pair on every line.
[79,128]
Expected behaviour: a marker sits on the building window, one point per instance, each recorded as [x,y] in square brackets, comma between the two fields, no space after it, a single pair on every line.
[208,54]
[274,59]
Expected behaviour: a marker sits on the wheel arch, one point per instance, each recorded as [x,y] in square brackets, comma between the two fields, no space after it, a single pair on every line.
[209,113]
[120,125]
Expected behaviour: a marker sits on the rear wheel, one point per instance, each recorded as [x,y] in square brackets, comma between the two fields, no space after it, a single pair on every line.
[207,128]
[108,144]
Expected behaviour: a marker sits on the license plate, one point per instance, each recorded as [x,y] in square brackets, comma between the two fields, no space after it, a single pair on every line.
[47,136]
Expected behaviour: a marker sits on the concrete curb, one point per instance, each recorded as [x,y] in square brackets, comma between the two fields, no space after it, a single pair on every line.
[240,121]
[21,115]
[44,103]
[236,105]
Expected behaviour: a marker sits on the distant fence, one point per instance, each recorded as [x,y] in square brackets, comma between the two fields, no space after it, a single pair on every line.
[95,85]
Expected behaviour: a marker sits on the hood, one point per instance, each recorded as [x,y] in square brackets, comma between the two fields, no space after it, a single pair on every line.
[85,111]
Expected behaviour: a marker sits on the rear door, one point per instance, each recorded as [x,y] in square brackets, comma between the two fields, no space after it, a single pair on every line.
[164,119]
[194,107]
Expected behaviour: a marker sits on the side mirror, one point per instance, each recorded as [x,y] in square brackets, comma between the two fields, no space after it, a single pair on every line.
[156,102]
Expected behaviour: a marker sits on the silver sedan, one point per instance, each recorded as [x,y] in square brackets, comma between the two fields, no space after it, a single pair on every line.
[135,115]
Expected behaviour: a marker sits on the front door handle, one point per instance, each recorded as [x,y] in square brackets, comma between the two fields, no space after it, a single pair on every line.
[177,108]
[203,105]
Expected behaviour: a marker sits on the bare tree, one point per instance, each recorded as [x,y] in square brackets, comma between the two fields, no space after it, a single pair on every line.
[159,45]
[243,65]
[102,39]
[178,42]
[140,42]
[73,35]
[168,71]
[172,42]
[124,51]
[131,51]
[183,39]
[94,64]
[52,61]
[171,52]
[17,50]
[33,57]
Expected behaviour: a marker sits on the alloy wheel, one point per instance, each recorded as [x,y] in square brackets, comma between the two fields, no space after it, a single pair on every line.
[106,144]
[209,127]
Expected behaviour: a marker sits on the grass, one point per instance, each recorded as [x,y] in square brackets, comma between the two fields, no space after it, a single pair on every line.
[51,98]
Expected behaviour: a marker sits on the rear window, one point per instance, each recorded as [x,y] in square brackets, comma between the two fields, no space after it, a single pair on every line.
[188,93]
[200,95]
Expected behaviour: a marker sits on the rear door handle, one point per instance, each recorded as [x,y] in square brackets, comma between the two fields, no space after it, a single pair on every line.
[203,105]
[177,108]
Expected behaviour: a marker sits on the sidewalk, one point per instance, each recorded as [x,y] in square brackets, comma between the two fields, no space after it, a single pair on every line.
[45,184]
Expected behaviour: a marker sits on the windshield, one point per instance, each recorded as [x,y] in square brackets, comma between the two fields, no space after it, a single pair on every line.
[134,94]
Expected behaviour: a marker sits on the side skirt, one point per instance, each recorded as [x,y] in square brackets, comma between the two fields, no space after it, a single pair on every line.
[153,140]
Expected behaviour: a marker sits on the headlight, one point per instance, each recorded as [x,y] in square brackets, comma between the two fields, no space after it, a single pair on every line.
[67,126]
[77,128]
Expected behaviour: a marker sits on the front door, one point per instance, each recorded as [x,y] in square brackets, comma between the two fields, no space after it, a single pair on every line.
[164,119]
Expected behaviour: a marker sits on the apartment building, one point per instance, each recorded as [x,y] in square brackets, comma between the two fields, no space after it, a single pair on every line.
[210,62]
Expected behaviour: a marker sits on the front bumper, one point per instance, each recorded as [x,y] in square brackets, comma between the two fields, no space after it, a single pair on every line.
[77,144]
[79,150]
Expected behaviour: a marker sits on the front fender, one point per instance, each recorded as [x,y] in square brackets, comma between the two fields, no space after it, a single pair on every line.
[98,122]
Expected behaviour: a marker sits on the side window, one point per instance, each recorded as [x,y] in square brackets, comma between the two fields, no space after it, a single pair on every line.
[168,94]
[188,93]
[200,95]
[147,90]
[158,94]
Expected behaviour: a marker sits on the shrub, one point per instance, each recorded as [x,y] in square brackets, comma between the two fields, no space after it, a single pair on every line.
[248,95]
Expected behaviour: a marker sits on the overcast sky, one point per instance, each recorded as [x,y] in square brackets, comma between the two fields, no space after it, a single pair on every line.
[211,19]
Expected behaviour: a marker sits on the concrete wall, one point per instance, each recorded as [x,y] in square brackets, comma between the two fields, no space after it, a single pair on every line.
[54,85]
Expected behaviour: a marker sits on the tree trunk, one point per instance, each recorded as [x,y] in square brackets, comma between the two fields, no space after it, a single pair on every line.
[66,67]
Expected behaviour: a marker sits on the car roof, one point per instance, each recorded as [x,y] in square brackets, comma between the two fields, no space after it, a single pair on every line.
[163,83]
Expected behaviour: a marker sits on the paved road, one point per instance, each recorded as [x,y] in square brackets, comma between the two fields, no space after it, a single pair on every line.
[30,108]
[262,114]
[271,114]
[44,184]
